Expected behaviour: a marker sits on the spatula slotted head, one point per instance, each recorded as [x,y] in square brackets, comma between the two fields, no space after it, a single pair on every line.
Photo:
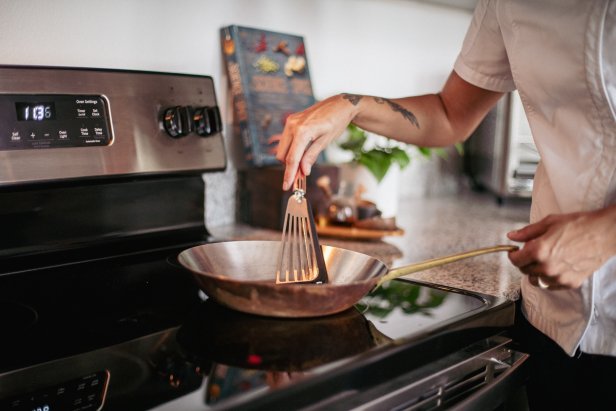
[300,259]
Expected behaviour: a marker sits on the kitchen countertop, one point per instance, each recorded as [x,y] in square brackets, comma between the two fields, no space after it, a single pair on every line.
[434,227]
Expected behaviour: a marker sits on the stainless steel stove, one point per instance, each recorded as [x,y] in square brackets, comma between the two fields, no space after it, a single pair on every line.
[100,188]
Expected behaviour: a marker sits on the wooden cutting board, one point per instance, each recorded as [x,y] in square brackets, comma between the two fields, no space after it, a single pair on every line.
[355,233]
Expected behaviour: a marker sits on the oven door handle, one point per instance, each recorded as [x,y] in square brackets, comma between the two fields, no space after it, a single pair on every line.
[481,376]
[505,387]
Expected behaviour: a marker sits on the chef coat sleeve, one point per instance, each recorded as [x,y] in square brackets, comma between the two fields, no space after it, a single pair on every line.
[483,59]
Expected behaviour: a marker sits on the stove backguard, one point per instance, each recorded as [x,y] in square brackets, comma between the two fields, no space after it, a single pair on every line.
[96,161]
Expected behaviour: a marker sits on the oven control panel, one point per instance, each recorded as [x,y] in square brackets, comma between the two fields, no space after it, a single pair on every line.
[35,121]
[66,123]
[84,393]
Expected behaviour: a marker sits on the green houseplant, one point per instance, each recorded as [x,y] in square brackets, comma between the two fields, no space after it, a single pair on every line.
[366,172]
[379,159]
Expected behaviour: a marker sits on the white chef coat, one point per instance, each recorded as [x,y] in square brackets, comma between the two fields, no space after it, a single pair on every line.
[561,57]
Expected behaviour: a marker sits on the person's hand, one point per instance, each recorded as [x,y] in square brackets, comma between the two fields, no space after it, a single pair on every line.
[307,133]
[561,251]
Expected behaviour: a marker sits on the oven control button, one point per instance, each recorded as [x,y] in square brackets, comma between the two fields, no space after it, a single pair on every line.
[176,121]
[201,121]
[207,121]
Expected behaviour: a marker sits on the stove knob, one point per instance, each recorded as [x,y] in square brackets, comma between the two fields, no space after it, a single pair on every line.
[207,121]
[176,121]
[214,114]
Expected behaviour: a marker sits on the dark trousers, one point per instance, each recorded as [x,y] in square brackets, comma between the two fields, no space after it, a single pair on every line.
[560,382]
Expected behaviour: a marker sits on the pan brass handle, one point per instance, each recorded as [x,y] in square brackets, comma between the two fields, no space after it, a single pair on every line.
[436,262]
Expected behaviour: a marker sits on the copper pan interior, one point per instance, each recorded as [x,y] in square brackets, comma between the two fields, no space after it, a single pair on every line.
[250,261]
[241,275]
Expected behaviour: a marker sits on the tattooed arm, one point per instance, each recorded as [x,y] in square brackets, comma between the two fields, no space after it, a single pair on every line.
[430,120]
[398,108]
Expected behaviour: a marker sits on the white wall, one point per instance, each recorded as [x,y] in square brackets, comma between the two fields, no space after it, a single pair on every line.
[389,48]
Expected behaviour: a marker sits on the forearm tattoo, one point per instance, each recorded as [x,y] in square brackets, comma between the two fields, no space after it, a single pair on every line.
[397,107]
[355,98]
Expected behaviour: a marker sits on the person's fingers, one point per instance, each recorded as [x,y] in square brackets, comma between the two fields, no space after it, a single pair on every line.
[533,280]
[533,269]
[539,257]
[307,133]
[547,283]
[304,137]
[538,281]
[542,284]
[539,270]
[524,256]
[284,143]
[540,276]
[274,138]
[312,153]
[273,144]
[290,174]
[529,232]
[294,156]
[282,154]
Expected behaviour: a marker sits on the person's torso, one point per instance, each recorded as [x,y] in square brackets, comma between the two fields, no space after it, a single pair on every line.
[563,56]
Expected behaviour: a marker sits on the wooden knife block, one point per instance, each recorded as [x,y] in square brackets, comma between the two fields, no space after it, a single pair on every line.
[262,203]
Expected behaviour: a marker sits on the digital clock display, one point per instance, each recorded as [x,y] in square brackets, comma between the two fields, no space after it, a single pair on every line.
[35,111]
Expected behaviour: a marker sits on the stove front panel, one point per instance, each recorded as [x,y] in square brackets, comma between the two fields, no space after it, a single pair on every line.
[66,123]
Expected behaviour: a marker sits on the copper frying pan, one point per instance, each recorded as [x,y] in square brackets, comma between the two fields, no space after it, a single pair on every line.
[241,275]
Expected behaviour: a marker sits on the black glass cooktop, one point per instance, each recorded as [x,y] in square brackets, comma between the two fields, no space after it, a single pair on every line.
[135,332]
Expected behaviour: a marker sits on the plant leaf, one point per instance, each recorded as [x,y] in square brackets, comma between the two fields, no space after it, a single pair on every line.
[379,159]
[355,141]
[355,131]
[400,157]
[377,162]
[353,144]
[425,151]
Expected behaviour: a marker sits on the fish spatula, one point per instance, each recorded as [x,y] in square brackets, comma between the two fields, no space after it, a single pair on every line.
[300,258]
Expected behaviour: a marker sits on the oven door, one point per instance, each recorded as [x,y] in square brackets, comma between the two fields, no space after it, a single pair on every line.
[484,375]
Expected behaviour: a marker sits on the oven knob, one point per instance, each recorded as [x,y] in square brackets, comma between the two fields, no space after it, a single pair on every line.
[215,121]
[207,121]
[176,121]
